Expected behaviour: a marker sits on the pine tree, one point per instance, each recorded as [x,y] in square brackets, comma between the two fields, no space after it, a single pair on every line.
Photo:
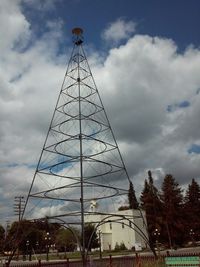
[133,203]
[173,210]
[151,203]
[2,237]
[192,198]
[192,210]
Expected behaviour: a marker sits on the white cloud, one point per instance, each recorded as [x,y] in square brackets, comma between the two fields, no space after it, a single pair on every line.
[137,82]
[14,28]
[119,30]
[30,80]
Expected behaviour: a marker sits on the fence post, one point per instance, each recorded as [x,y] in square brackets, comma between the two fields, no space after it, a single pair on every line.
[110,260]
[67,262]
[138,260]
[168,253]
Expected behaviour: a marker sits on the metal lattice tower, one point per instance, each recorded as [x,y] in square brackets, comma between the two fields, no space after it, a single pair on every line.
[80,162]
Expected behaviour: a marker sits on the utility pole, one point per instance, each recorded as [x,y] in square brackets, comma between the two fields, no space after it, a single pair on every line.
[19,206]
[7,228]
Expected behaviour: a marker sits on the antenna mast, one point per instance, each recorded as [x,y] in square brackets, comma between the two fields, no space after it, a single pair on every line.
[80,161]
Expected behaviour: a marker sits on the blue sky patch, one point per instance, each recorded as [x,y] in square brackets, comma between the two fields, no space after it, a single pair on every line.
[194,148]
[184,104]
[152,17]
[10,165]
[174,107]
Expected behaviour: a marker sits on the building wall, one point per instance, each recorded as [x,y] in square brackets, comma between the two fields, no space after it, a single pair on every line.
[122,233]
[106,241]
[122,227]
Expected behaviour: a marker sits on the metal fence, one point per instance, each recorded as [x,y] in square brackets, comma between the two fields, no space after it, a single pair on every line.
[120,261]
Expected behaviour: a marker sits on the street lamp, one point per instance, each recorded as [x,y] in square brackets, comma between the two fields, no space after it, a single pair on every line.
[157,234]
[37,245]
[192,236]
[47,239]
[100,252]
[27,245]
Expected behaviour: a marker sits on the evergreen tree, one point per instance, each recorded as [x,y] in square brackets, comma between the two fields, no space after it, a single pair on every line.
[151,203]
[144,194]
[2,238]
[173,210]
[192,210]
[133,203]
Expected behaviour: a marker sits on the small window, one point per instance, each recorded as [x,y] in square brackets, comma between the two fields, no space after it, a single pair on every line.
[122,225]
[110,226]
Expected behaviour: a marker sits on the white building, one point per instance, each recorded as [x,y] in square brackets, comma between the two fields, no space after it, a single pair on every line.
[126,226]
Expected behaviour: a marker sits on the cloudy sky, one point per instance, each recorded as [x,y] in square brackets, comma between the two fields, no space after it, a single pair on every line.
[145,59]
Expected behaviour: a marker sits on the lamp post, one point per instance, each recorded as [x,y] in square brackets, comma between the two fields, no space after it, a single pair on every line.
[192,236]
[27,245]
[157,234]
[37,246]
[47,239]
[100,252]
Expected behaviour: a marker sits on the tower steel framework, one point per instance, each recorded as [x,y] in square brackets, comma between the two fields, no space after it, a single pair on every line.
[80,163]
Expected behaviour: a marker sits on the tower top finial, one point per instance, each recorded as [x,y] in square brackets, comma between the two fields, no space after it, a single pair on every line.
[77,36]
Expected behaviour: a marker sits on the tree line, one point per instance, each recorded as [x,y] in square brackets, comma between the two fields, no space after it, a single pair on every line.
[41,237]
[172,214]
